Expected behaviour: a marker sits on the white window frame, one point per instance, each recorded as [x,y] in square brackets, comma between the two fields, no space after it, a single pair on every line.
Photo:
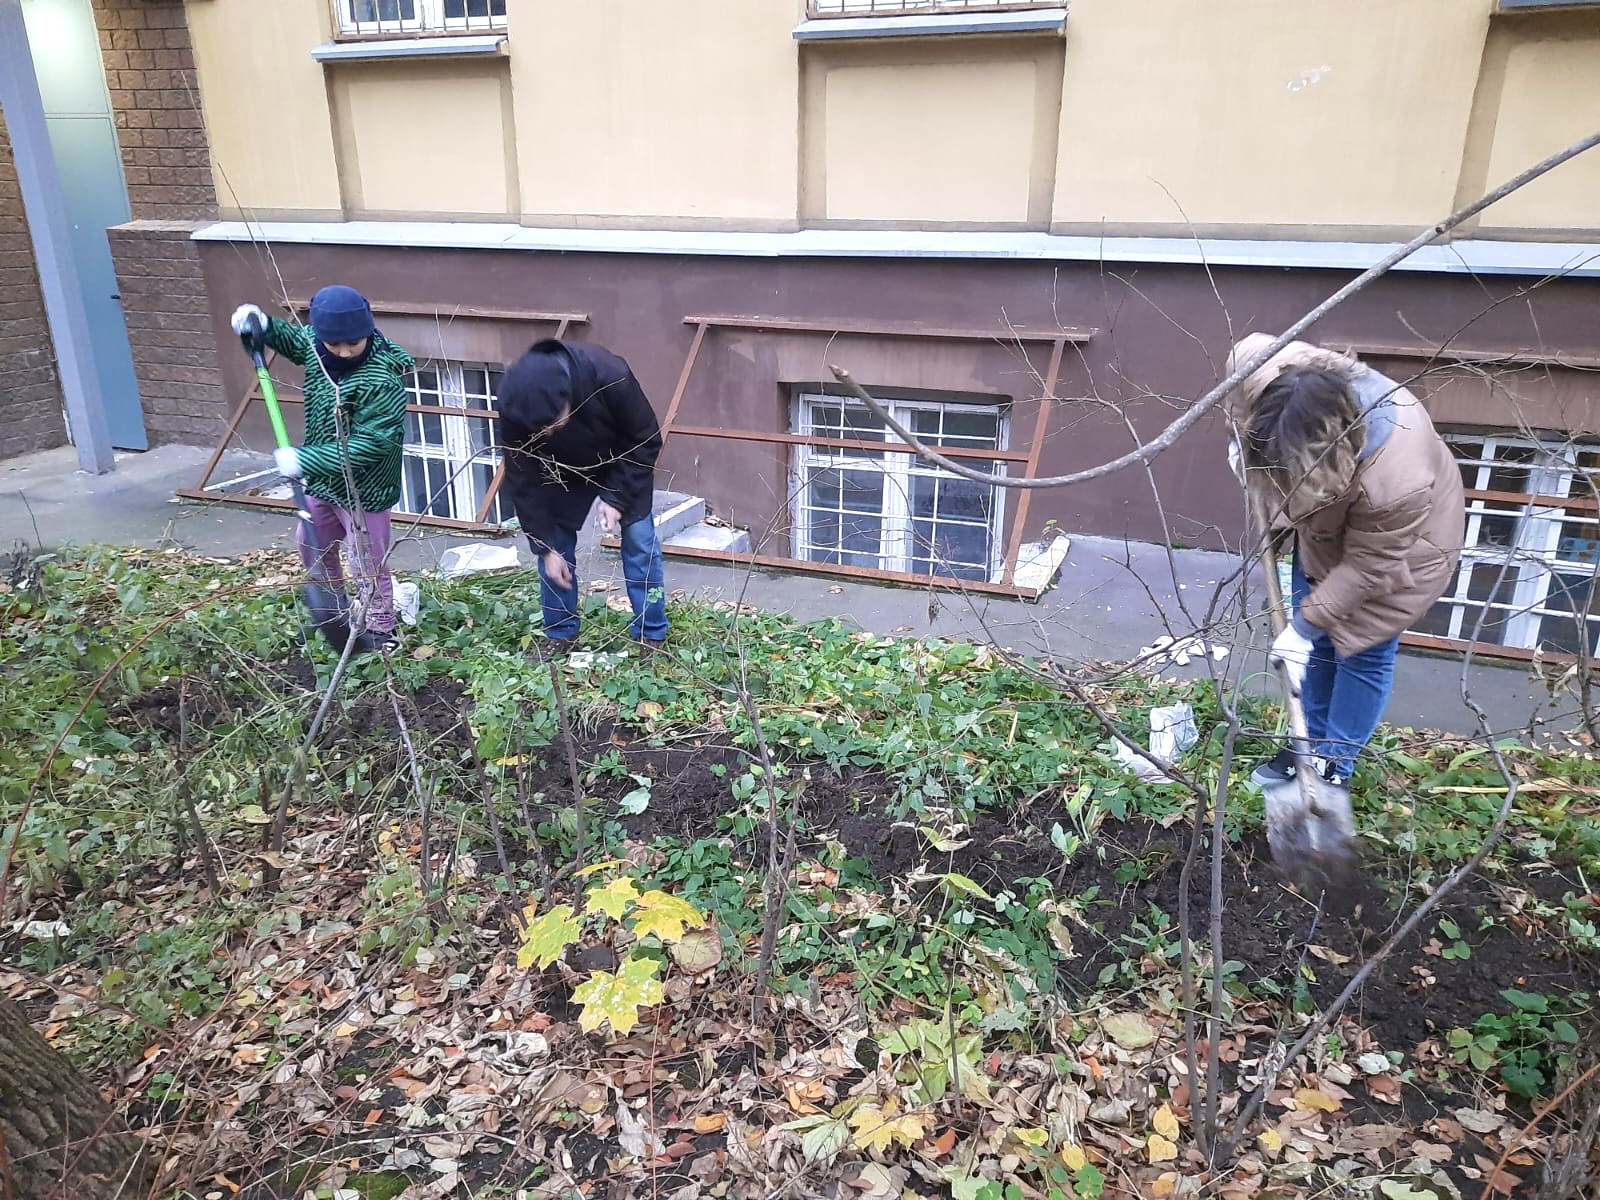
[1534,559]
[897,546]
[463,493]
[428,17]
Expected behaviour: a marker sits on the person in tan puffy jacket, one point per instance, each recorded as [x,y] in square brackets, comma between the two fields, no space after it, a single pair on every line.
[1349,461]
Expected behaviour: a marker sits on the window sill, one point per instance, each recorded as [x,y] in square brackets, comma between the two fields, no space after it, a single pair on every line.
[1041,20]
[1520,6]
[423,47]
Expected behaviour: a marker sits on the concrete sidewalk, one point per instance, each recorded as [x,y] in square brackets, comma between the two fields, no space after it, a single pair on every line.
[1112,598]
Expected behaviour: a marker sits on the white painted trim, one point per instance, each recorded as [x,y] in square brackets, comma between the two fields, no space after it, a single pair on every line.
[1040,20]
[424,47]
[1466,257]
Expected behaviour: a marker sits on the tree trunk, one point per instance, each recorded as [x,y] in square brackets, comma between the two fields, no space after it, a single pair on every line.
[58,1138]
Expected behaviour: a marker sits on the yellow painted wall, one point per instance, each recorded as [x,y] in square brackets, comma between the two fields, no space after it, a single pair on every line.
[1549,97]
[1340,113]
[265,104]
[684,111]
[908,140]
[424,138]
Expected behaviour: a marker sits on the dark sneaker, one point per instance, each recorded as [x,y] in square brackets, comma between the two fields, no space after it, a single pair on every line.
[558,647]
[651,645]
[1280,769]
[371,640]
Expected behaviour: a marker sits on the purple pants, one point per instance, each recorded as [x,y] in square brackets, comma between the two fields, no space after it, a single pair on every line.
[369,555]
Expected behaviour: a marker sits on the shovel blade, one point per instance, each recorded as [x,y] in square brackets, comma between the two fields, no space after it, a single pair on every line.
[330,612]
[1312,839]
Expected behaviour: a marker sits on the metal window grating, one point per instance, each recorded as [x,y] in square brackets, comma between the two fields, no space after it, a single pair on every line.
[887,8]
[418,18]
[450,461]
[891,511]
[1532,546]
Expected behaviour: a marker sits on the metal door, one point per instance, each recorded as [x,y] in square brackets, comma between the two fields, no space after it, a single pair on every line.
[83,134]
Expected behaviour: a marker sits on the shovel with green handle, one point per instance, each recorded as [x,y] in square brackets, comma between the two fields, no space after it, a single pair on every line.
[329,606]
[1310,827]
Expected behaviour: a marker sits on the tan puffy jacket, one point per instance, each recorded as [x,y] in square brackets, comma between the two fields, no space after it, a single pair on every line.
[1383,553]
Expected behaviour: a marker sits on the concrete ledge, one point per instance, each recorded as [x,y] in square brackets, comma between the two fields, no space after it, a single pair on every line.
[1041,20]
[429,47]
[1466,257]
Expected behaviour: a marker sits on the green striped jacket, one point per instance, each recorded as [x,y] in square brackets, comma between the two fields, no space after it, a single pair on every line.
[374,401]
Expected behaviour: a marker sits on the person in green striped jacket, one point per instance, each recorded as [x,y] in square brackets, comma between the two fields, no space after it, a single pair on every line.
[355,394]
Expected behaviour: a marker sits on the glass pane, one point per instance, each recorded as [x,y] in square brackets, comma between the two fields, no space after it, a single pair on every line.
[1436,621]
[844,509]
[1497,526]
[971,428]
[480,433]
[440,504]
[413,429]
[1511,478]
[1570,593]
[1485,577]
[432,429]
[482,477]
[416,478]
[427,380]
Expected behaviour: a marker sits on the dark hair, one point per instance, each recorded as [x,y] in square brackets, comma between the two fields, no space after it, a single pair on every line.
[1305,435]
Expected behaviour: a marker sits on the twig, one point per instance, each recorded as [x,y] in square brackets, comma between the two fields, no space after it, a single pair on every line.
[776,888]
[186,794]
[1169,436]
[1219,811]
[424,794]
[570,740]
[1511,1146]
[488,805]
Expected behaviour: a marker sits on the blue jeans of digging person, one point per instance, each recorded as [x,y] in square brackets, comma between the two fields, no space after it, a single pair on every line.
[1344,697]
[642,576]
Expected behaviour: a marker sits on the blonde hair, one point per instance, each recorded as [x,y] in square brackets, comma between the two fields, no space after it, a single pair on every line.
[1305,437]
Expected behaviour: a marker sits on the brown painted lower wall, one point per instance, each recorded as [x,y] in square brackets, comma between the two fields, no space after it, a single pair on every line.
[31,415]
[169,327]
[1161,335]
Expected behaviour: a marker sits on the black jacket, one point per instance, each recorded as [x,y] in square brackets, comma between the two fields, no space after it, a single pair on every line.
[607,449]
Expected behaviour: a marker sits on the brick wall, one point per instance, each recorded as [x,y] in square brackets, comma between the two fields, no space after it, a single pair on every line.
[30,394]
[155,95]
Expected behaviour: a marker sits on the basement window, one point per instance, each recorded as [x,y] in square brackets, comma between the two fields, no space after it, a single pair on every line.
[414,18]
[1532,546]
[450,461]
[893,512]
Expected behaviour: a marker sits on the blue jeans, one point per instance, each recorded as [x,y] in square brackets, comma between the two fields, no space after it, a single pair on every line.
[1344,697]
[642,575]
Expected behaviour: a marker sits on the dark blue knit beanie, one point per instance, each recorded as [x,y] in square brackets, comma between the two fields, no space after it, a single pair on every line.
[341,314]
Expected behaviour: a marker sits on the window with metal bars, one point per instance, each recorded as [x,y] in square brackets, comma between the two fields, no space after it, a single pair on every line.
[892,511]
[450,461]
[411,18]
[890,8]
[1532,546]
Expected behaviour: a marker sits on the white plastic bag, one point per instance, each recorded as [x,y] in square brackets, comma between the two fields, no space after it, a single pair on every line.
[1172,731]
[407,599]
[471,560]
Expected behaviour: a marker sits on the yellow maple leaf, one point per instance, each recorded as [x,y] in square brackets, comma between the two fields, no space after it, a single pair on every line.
[1032,1137]
[1165,1121]
[1074,1157]
[613,898]
[1271,1139]
[546,938]
[879,1128]
[1160,1149]
[664,915]
[617,998]
[1315,1100]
